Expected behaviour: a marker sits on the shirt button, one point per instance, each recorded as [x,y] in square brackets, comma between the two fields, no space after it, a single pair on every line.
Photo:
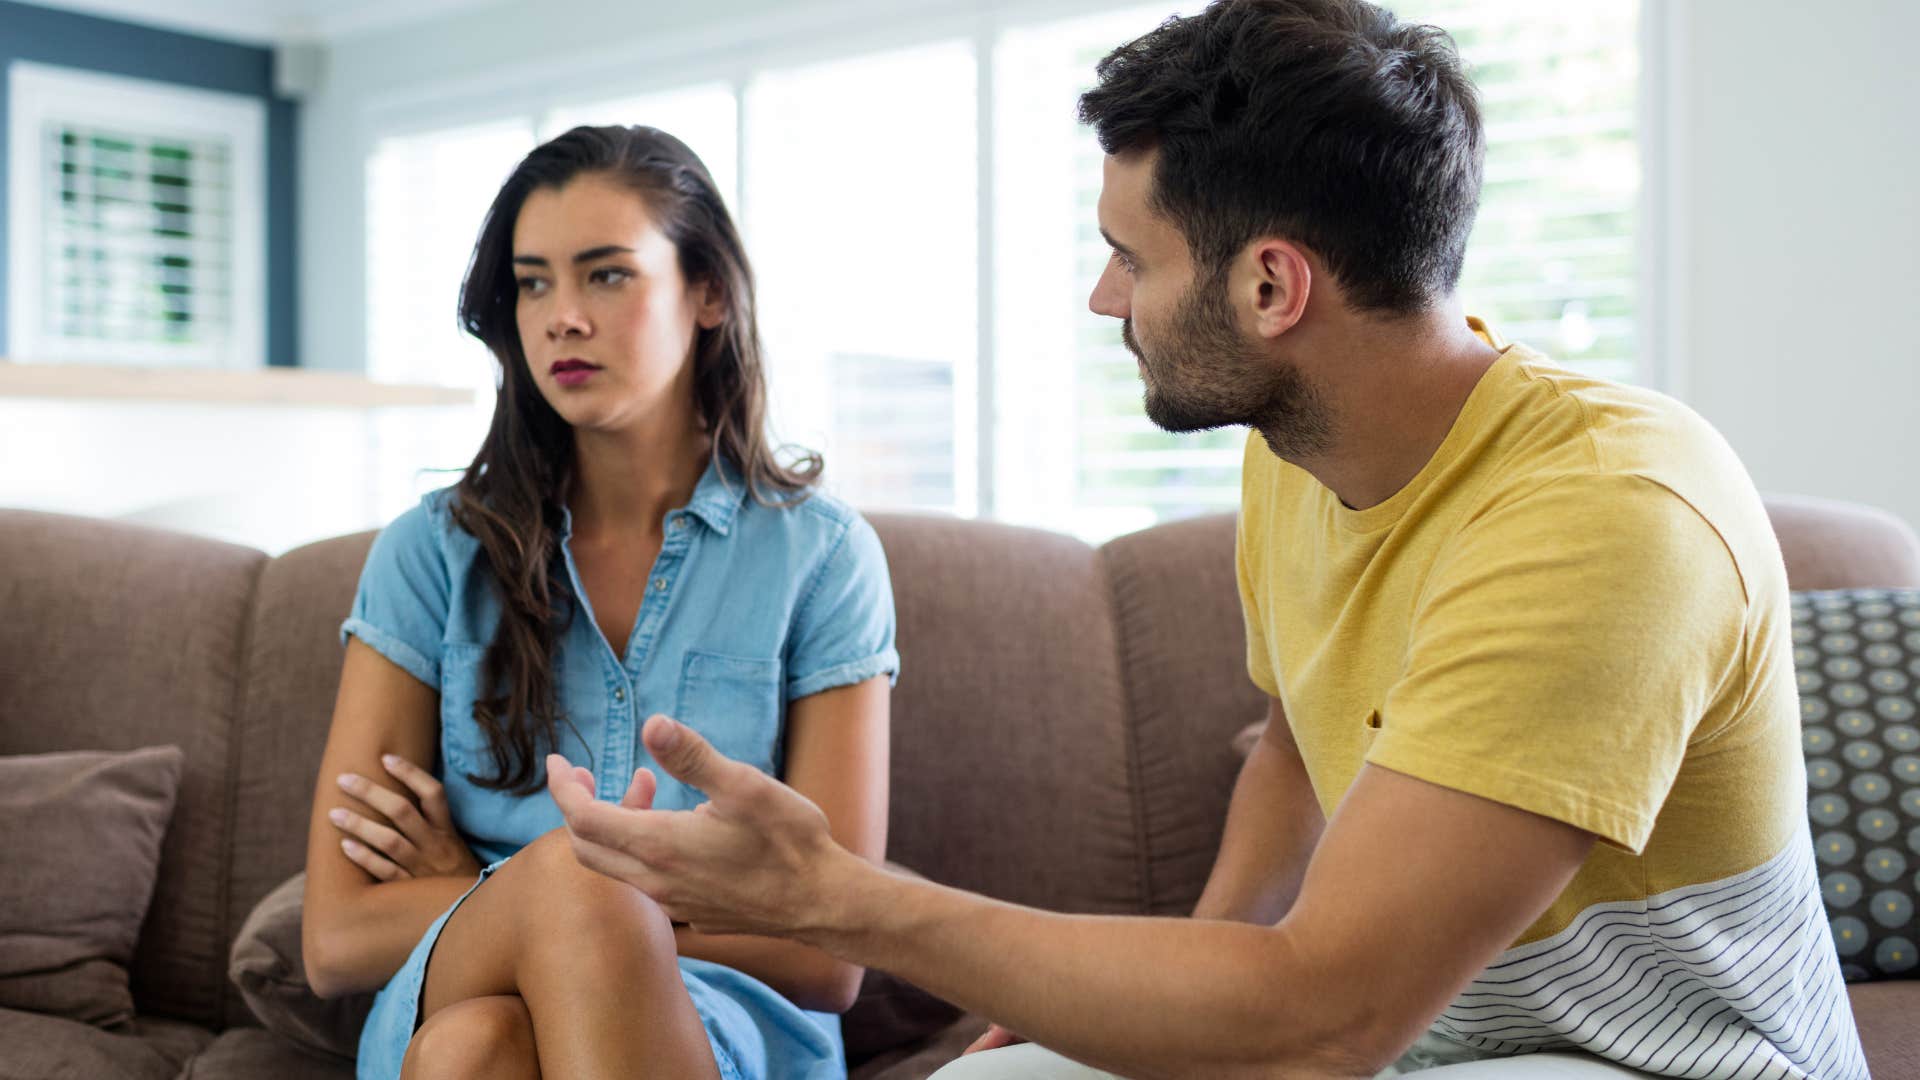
[680,523]
[619,693]
[659,584]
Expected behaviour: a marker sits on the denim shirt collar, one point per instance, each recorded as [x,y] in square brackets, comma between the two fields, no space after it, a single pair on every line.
[716,499]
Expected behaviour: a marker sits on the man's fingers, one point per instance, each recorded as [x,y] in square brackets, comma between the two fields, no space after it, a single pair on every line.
[691,759]
[566,785]
[640,793]
[623,828]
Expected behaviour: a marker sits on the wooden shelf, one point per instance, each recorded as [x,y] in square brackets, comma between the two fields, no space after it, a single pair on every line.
[260,386]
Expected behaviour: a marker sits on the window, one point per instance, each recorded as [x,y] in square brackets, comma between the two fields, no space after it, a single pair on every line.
[1552,258]
[866,249]
[136,221]
[1077,453]
[859,185]
[426,198]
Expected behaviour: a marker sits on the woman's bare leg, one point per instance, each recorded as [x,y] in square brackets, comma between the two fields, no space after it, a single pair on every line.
[593,959]
[483,1038]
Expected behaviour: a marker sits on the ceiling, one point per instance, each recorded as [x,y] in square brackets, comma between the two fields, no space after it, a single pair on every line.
[270,22]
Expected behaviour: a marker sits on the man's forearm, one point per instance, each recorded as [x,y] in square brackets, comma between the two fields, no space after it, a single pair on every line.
[807,976]
[1138,996]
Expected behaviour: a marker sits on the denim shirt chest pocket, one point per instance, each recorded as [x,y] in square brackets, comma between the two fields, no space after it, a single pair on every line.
[490,816]
[734,703]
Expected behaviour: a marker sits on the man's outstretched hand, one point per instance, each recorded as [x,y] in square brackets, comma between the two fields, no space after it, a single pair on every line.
[756,858]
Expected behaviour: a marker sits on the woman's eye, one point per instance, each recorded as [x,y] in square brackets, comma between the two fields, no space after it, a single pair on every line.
[531,284]
[611,275]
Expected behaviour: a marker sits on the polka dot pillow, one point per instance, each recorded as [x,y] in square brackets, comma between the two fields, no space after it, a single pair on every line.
[1857,654]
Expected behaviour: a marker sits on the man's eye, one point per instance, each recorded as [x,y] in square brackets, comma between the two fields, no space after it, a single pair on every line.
[1126,264]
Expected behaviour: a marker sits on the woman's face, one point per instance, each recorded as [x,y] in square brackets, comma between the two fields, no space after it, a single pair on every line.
[607,321]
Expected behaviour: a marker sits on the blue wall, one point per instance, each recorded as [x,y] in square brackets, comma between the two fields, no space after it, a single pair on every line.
[117,48]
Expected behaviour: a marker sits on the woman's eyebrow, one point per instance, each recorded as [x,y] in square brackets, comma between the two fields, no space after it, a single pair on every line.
[588,255]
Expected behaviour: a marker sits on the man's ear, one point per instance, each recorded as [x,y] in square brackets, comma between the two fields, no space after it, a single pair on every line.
[1272,281]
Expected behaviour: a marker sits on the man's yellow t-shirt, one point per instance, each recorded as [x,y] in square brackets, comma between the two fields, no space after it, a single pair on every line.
[1577,608]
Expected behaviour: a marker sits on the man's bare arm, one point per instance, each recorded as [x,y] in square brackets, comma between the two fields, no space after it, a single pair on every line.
[1273,824]
[1406,869]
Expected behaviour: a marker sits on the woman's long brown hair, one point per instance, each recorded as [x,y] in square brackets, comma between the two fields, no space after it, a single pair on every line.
[511,496]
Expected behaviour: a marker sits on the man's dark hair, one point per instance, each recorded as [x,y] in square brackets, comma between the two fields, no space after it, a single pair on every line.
[1327,122]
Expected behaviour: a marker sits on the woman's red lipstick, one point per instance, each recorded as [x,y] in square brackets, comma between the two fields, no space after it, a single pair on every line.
[572,372]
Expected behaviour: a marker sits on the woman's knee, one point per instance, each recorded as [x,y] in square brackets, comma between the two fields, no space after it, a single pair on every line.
[489,1038]
[573,899]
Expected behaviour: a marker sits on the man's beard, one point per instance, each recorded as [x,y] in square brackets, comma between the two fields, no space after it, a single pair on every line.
[1220,381]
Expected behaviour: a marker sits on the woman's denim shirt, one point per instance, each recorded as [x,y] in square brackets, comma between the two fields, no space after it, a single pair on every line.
[748,608]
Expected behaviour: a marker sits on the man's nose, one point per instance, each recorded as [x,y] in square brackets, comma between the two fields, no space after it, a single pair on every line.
[1111,296]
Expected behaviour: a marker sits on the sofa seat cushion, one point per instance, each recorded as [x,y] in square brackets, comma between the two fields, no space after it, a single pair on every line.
[40,1046]
[250,1053]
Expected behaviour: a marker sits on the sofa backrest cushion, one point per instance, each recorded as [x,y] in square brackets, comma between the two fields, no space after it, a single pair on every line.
[293,666]
[1010,748]
[118,637]
[1183,659]
[1830,544]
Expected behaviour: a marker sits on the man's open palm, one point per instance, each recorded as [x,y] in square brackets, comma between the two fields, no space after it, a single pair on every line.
[749,860]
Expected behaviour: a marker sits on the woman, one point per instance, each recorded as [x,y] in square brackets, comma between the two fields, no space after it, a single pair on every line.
[624,543]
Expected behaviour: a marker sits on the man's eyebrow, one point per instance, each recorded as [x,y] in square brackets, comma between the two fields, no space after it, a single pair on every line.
[1115,244]
[586,256]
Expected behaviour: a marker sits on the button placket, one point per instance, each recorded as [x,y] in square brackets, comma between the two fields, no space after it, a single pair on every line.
[652,612]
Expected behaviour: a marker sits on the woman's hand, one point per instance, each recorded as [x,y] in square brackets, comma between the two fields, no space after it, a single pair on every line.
[412,840]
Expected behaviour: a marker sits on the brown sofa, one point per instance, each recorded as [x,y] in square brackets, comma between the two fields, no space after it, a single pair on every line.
[1062,735]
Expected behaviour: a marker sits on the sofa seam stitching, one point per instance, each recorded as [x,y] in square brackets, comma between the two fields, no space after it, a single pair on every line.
[228,839]
[1130,736]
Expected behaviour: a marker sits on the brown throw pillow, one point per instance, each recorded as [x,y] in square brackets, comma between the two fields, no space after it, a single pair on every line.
[265,964]
[80,837]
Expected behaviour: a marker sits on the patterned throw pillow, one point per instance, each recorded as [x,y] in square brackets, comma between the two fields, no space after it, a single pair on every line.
[1857,655]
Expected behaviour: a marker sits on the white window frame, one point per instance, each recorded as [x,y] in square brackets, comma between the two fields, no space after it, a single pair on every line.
[38,93]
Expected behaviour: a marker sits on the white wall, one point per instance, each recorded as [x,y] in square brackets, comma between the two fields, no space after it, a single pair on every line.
[1798,201]
[1792,166]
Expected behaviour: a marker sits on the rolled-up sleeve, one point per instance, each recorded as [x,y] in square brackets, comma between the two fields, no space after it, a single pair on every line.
[843,627]
[400,608]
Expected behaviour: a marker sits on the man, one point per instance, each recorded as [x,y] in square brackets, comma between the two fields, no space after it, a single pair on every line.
[1536,784]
